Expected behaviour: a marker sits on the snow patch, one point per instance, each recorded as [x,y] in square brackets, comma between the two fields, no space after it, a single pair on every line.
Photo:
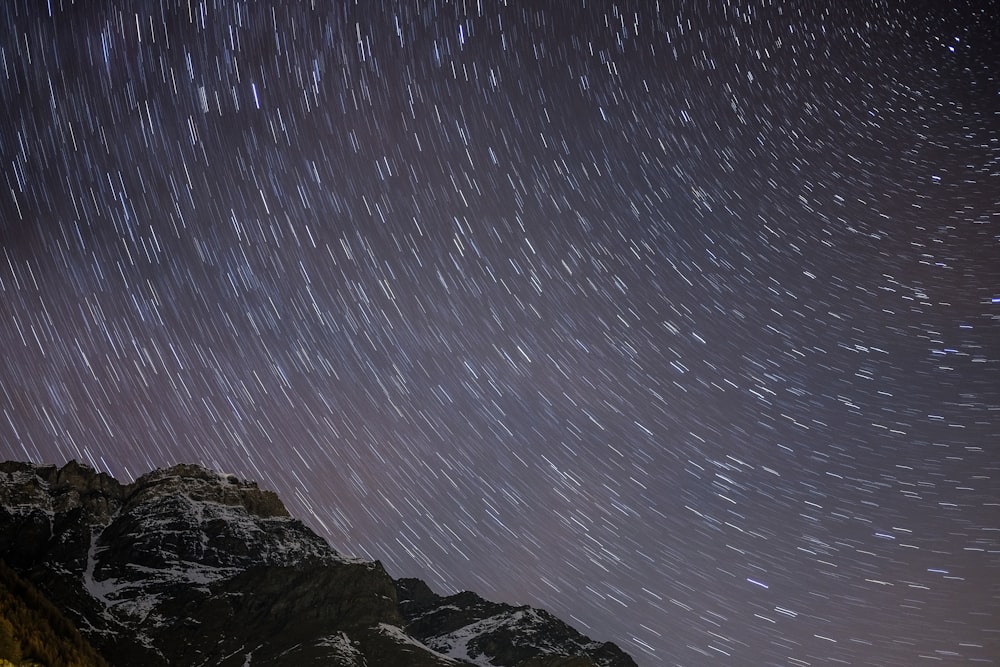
[523,622]
[400,636]
[456,644]
[343,647]
[98,589]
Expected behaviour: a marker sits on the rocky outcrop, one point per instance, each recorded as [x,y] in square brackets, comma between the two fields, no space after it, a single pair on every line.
[51,489]
[203,485]
[188,566]
[467,627]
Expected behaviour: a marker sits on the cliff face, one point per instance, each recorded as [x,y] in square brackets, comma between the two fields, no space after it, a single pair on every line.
[465,625]
[187,566]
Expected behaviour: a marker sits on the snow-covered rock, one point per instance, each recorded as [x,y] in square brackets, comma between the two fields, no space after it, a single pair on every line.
[186,566]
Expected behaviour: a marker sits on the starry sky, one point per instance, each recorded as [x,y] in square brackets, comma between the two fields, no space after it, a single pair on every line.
[678,319]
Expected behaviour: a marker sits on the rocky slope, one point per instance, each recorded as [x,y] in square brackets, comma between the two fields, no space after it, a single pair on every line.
[34,632]
[189,567]
[468,627]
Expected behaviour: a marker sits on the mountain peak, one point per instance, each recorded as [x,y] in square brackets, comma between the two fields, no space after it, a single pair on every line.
[202,484]
[72,487]
[467,627]
[188,552]
[99,496]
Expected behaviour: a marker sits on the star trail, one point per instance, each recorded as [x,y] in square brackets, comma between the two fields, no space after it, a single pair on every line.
[678,319]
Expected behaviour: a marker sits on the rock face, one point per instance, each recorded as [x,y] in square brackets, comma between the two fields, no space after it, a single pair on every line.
[472,629]
[189,567]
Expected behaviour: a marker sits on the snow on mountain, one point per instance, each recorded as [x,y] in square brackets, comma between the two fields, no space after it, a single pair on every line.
[187,566]
[399,635]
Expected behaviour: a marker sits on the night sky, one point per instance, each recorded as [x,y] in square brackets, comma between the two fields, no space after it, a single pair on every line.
[680,320]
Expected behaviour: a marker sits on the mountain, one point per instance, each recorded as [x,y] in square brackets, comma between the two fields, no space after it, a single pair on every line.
[466,626]
[186,566]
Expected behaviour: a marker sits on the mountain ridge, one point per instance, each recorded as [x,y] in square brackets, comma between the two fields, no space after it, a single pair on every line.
[186,551]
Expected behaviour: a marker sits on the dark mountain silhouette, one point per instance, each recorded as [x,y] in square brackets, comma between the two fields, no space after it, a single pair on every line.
[186,566]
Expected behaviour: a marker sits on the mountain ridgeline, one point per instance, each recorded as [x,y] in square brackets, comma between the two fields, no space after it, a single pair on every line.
[189,567]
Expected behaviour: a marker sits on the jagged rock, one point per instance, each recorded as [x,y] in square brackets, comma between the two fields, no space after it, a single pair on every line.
[204,485]
[467,627]
[188,553]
